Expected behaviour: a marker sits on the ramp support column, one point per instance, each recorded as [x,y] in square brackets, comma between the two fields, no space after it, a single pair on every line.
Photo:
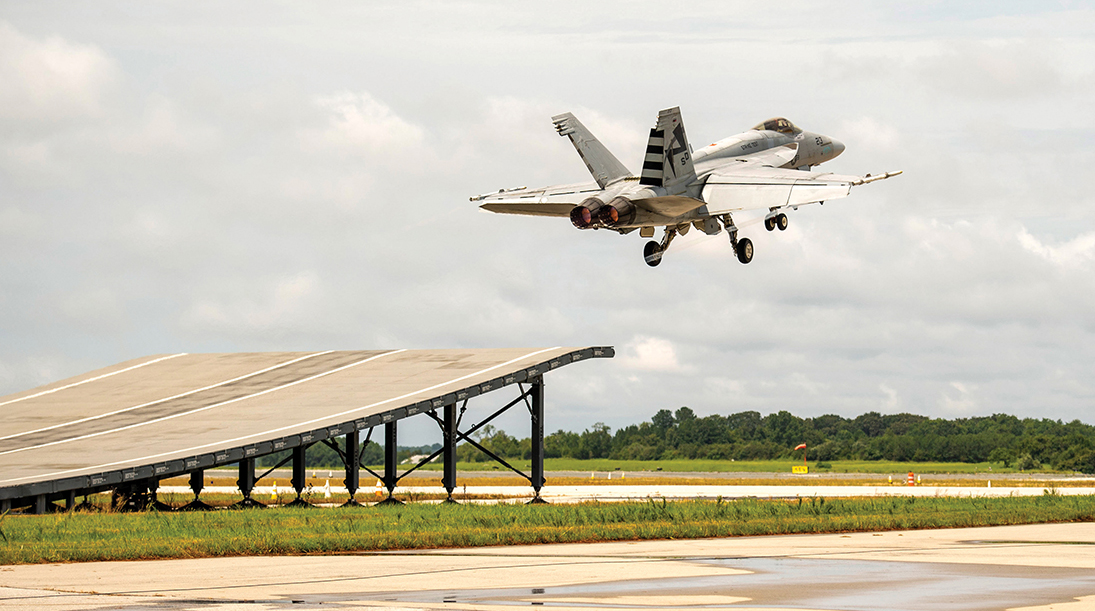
[391,460]
[70,500]
[537,413]
[449,431]
[300,478]
[40,504]
[246,483]
[353,467]
[197,482]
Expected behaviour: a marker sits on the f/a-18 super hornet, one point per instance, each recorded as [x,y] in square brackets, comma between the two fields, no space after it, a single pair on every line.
[765,168]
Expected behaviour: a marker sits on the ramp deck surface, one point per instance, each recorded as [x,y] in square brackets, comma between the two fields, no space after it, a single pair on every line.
[169,414]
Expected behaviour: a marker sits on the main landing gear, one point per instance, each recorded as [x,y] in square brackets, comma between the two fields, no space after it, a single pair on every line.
[778,221]
[743,248]
[653,251]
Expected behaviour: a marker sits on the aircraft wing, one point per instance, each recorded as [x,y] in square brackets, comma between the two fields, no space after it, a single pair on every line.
[547,201]
[753,187]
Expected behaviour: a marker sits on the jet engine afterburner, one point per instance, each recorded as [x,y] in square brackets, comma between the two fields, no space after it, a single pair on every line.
[619,211]
[584,214]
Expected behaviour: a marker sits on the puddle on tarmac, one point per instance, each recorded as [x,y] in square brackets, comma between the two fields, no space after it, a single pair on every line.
[846,585]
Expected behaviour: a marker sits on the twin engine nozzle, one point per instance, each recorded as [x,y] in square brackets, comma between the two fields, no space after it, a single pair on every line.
[593,213]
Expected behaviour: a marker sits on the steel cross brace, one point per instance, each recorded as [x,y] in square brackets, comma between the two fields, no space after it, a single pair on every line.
[466,435]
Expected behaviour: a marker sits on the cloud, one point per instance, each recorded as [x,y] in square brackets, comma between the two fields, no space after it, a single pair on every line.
[650,354]
[359,123]
[993,69]
[283,303]
[51,79]
[958,400]
[1073,253]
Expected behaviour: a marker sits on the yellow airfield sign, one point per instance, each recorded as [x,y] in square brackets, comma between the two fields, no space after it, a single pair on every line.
[800,469]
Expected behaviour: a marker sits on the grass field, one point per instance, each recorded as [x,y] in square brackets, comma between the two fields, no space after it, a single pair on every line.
[730,466]
[130,536]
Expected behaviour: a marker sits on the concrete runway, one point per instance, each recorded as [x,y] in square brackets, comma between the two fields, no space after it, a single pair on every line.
[1043,567]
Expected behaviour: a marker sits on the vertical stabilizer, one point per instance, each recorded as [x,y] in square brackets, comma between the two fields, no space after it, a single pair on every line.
[602,164]
[668,161]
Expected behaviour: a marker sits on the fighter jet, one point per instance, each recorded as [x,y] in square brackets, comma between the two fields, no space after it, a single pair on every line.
[766,168]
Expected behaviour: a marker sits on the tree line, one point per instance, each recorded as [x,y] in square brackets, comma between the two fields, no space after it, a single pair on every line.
[1022,443]
[1027,443]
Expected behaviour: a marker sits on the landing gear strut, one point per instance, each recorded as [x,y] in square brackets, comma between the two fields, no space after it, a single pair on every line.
[743,248]
[653,251]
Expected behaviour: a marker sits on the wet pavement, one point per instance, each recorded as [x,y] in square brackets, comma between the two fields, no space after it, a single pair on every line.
[1047,566]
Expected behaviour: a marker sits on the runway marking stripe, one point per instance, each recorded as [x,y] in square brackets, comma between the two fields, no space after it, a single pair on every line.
[179,396]
[105,375]
[291,426]
[199,409]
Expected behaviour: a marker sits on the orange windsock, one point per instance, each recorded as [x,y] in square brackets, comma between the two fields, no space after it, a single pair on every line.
[800,446]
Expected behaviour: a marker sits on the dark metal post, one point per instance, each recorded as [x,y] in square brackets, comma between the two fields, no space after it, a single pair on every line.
[537,438]
[391,458]
[300,480]
[5,506]
[449,479]
[197,482]
[40,504]
[353,468]
[246,483]
[300,477]
[70,500]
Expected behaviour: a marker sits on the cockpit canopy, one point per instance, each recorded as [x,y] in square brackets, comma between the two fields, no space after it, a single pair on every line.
[779,124]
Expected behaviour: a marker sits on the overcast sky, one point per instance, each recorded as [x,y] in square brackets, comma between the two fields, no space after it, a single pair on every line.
[179,177]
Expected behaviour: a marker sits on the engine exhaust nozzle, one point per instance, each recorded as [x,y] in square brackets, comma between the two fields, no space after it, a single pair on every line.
[584,215]
[619,211]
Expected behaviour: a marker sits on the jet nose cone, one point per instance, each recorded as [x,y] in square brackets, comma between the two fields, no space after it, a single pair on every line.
[838,147]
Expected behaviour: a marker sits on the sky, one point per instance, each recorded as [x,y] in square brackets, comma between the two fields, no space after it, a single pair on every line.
[259,176]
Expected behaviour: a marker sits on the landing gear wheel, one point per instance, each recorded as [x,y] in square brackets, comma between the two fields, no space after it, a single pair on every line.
[770,223]
[745,250]
[652,253]
[781,221]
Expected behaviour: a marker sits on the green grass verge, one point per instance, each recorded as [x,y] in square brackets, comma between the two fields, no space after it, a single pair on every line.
[728,466]
[110,536]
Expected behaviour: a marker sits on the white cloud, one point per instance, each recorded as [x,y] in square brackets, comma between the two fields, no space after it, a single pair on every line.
[650,354]
[1073,253]
[993,69]
[50,79]
[358,122]
[892,401]
[286,302]
[958,400]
